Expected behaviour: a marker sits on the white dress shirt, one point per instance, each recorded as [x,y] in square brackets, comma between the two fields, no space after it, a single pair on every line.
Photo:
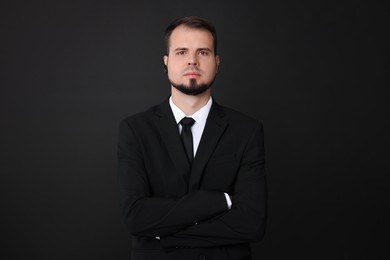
[197,128]
[199,116]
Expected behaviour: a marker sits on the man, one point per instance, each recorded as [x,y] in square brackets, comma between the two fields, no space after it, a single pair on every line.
[192,188]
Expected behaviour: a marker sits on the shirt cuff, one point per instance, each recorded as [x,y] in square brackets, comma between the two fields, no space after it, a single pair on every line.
[228,200]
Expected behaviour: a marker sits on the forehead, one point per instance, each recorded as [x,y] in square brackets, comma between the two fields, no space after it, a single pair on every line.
[185,37]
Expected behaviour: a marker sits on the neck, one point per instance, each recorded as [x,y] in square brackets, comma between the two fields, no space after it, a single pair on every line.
[190,104]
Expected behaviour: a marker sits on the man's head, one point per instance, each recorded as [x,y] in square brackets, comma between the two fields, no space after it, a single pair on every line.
[191,59]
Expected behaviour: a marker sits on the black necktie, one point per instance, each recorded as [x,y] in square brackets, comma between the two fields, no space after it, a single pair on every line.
[186,137]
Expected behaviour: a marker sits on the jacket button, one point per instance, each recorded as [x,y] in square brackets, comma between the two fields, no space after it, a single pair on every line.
[202,257]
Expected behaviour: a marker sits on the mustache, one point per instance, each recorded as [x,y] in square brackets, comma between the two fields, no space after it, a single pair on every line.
[192,69]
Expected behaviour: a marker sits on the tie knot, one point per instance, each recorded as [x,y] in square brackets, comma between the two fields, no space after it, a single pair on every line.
[187,121]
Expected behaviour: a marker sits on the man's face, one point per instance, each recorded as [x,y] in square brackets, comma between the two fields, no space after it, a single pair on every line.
[191,61]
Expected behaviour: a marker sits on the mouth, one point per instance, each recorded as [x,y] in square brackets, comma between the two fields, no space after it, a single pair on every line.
[192,74]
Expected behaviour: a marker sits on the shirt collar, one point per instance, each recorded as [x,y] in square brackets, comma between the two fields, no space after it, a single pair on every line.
[199,116]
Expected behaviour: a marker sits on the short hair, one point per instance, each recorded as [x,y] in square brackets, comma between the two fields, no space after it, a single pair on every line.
[194,22]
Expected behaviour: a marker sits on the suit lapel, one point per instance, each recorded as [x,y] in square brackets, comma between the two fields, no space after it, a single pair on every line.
[167,127]
[215,126]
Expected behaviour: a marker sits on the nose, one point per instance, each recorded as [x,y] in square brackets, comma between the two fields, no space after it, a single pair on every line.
[192,60]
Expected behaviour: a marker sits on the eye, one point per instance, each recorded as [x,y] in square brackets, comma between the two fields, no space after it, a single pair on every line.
[204,53]
[180,53]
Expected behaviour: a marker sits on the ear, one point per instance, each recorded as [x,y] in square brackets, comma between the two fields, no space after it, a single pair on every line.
[166,60]
[165,64]
[217,61]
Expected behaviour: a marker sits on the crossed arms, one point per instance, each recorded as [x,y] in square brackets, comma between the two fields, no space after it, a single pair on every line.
[199,218]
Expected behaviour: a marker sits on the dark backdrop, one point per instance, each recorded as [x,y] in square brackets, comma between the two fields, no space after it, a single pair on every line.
[315,72]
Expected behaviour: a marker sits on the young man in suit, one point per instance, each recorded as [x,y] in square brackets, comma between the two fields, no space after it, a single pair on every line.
[191,172]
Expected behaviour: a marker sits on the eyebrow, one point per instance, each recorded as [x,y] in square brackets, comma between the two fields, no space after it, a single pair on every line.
[180,49]
[204,49]
[199,49]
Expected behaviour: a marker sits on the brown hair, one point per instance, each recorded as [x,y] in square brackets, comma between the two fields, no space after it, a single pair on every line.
[194,22]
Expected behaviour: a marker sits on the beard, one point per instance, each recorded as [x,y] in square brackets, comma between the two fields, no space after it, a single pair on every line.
[193,89]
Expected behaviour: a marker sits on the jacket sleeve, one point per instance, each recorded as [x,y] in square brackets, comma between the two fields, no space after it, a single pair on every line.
[245,222]
[145,215]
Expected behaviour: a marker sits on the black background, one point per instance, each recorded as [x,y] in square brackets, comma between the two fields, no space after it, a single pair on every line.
[316,73]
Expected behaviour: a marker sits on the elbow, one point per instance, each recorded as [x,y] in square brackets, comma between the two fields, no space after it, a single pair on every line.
[134,229]
[259,234]
[131,224]
[252,226]
[131,220]
[135,224]
[256,232]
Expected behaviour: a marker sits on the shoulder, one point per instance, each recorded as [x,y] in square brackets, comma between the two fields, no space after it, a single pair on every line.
[140,124]
[238,118]
[147,115]
[140,116]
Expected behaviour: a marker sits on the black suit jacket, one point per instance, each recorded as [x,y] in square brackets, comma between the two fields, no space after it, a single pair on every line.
[191,217]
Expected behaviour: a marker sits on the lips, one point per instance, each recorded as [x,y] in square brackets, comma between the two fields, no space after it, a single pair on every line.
[195,74]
